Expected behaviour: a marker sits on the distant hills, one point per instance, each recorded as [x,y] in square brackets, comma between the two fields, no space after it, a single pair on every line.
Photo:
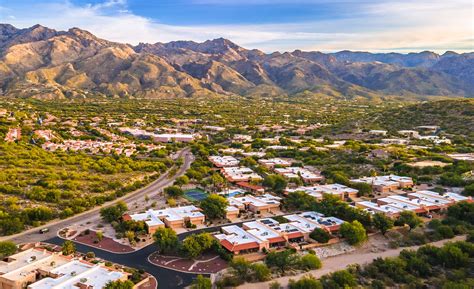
[44,63]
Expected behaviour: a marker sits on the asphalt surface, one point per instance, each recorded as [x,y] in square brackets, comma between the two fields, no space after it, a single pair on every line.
[167,279]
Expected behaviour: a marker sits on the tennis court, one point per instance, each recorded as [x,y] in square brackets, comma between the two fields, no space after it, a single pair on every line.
[195,195]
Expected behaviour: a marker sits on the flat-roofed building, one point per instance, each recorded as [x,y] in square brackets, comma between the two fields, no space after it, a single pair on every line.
[224,161]
[173,137]
[341,191]
[386,184]
[375,208]
[331,224]
[256,189]
[254,154]
[403,205]
[445,200]
[232,213]
[240,174]
[238,241]
[37,268]
[274,162]
[242,138]
[79,274]
[409,133]
[290,232]
[463,157]
[265,203]
[425,204]
[306,175]
[26,267]
[269,237]
[170,217]
[302,223]
[268,233]
[398,141]
[13,134]
[378,132]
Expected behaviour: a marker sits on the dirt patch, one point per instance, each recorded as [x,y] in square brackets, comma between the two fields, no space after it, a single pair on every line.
[106,243]
[422,164]
[151,284]
[206,264]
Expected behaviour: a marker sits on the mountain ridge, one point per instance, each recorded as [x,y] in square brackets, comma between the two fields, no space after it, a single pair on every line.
[44,63]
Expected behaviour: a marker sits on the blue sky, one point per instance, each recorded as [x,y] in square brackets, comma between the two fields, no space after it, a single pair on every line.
[269,25]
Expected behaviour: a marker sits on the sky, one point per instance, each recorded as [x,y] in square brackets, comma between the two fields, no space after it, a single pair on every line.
[269,25]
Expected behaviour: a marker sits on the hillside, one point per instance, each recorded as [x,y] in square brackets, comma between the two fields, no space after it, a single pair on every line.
[44,63]
[453,116]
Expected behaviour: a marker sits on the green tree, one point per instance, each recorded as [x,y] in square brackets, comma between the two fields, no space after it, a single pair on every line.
[217,181]
[469,190]
[363,188]
[462,211]
[68,248]
[130,235]
[382,222]
[445,231]
[181,181]
[113,213]
[452,257]
[201,283]
[353,232]
[173,191]
[306,282]
[99,235]
[166,240]
[194,245]
[408,218]
[281,260]
[7,248]
[118,284]
[339,279]
[299,201]
[241,268]
[310,262]
[214,206]
[320,235]
[261,272]
[276,182]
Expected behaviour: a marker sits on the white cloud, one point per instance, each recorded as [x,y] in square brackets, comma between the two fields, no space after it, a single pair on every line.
[393,25]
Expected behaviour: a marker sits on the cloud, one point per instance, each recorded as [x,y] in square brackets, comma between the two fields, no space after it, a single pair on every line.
[373,26]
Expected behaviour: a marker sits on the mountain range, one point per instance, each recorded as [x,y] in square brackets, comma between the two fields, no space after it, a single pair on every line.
[45,63]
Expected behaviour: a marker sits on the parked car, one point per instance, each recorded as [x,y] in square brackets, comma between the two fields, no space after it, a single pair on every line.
[44,230]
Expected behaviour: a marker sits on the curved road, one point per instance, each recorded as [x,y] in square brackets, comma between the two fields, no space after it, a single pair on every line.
[167,279]
[92,215]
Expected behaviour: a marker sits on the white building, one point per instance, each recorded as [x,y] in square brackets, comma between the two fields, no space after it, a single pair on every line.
[240,174]
[271,163]
[299,172]
[341,191]
[224,161]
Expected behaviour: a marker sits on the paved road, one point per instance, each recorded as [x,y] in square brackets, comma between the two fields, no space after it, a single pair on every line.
[167,279]
[92,215]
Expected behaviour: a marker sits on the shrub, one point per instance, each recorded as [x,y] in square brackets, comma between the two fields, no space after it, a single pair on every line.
[353,232]
[445,232]
[261,272]
[307,282]
[310,262]
[320,235]
[274,285]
